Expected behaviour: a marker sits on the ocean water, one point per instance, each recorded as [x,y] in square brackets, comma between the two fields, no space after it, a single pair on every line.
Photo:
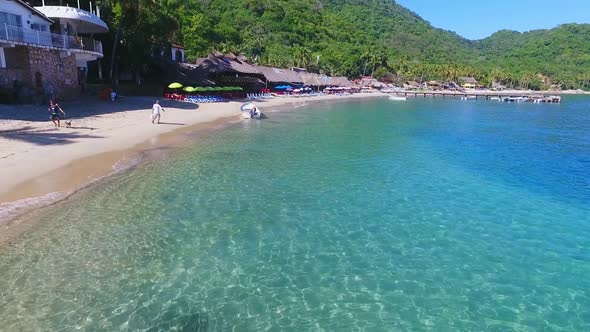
[425,215]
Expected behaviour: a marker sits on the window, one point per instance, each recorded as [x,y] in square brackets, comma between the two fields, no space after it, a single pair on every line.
[38,27]
[12,24]
[11,19]
[2,58]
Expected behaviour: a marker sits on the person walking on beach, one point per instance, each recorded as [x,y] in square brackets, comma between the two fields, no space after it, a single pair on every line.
[54,109]
[156,109]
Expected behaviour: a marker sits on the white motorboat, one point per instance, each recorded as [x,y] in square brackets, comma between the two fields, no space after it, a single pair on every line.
[397,98]
[250,111]
[514,99]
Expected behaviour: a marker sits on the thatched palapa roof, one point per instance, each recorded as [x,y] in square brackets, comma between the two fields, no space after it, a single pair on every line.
[312,79]
[340,81]
[277,75]
[468,80]
[215,63]
[225,65]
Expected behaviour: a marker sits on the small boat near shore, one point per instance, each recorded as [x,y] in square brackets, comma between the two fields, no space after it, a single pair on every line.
[397,98]
[250,111]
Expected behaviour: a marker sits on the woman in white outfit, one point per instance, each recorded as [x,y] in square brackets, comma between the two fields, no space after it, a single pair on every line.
[156,109]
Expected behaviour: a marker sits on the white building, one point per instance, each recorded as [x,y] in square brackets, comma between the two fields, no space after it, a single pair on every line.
[177,53]
[47,48]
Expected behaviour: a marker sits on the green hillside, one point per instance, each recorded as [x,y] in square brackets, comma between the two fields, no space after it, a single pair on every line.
[348,37]
[562,53]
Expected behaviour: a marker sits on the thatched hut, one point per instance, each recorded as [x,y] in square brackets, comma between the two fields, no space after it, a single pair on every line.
[412,85]
[231,70]
[468,82]
[341,81]
[277,76]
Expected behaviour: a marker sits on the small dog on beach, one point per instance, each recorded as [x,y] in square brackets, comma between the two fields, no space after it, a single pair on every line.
[68,124]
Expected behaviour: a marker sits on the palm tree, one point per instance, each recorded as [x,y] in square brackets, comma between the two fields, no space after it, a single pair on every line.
[301,56]
[228,47]
[494,75]
[366,57]
[526,79]
[403,65]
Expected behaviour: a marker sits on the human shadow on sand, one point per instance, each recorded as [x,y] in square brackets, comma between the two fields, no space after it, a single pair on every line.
[43,137]
[86,107]
[172,123]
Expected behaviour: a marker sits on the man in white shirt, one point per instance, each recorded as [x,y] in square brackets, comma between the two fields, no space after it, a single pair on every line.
[156,109]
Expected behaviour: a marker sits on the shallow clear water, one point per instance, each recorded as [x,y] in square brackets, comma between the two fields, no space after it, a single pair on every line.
[374,215]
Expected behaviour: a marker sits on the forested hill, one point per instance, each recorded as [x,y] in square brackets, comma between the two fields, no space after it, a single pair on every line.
[562,53]
[349,37]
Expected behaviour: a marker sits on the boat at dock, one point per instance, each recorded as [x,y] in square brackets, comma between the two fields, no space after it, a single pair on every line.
[514,99]
[543,99]
[532,99]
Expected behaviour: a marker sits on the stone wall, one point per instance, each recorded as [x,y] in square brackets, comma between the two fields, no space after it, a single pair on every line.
[17,66]
[41,71]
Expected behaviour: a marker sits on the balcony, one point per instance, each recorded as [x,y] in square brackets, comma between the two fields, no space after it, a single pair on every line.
[13,34]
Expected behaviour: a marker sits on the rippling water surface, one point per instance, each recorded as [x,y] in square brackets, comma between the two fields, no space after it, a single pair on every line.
[375,215]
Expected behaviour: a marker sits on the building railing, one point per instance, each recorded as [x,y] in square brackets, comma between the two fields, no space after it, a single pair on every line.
[80,4]
[44,38]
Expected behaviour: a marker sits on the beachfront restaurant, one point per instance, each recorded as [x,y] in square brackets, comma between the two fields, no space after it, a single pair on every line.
[276,78]
[229,70]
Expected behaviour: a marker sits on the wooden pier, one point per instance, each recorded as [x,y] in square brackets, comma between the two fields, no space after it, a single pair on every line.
[508,97]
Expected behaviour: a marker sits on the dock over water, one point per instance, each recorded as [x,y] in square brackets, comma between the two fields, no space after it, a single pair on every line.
[501,96]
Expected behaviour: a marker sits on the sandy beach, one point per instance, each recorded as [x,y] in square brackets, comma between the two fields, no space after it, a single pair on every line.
[40,160]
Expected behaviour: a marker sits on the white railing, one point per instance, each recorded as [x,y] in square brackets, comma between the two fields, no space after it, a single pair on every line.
[43,38]
[86,6]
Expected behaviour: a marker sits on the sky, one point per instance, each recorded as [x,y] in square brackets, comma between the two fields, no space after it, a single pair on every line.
[477,19]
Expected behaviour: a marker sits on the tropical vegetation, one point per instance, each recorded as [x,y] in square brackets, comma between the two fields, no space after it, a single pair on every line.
[344,37]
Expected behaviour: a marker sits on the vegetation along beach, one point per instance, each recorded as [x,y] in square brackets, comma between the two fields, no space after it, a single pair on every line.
[313,165]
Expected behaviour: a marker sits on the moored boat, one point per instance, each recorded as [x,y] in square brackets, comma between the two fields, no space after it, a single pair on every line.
[250,111]
[397,98]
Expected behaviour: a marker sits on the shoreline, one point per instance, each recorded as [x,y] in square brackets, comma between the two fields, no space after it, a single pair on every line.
[38,173]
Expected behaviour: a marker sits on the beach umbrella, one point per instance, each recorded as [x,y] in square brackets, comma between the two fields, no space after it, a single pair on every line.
[238,88]
[208,88]
[227,88]
[200,89]
[189,89]
[175,85]
[217,88]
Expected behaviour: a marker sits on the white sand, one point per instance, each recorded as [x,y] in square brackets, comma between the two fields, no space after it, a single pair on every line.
[36,158]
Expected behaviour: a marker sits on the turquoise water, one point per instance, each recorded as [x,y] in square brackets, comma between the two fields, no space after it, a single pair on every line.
[428,215]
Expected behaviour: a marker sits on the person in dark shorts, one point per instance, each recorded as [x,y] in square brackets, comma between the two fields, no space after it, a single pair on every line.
[54,109]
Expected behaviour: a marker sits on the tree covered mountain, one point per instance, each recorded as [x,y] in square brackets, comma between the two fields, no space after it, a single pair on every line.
[348,37]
